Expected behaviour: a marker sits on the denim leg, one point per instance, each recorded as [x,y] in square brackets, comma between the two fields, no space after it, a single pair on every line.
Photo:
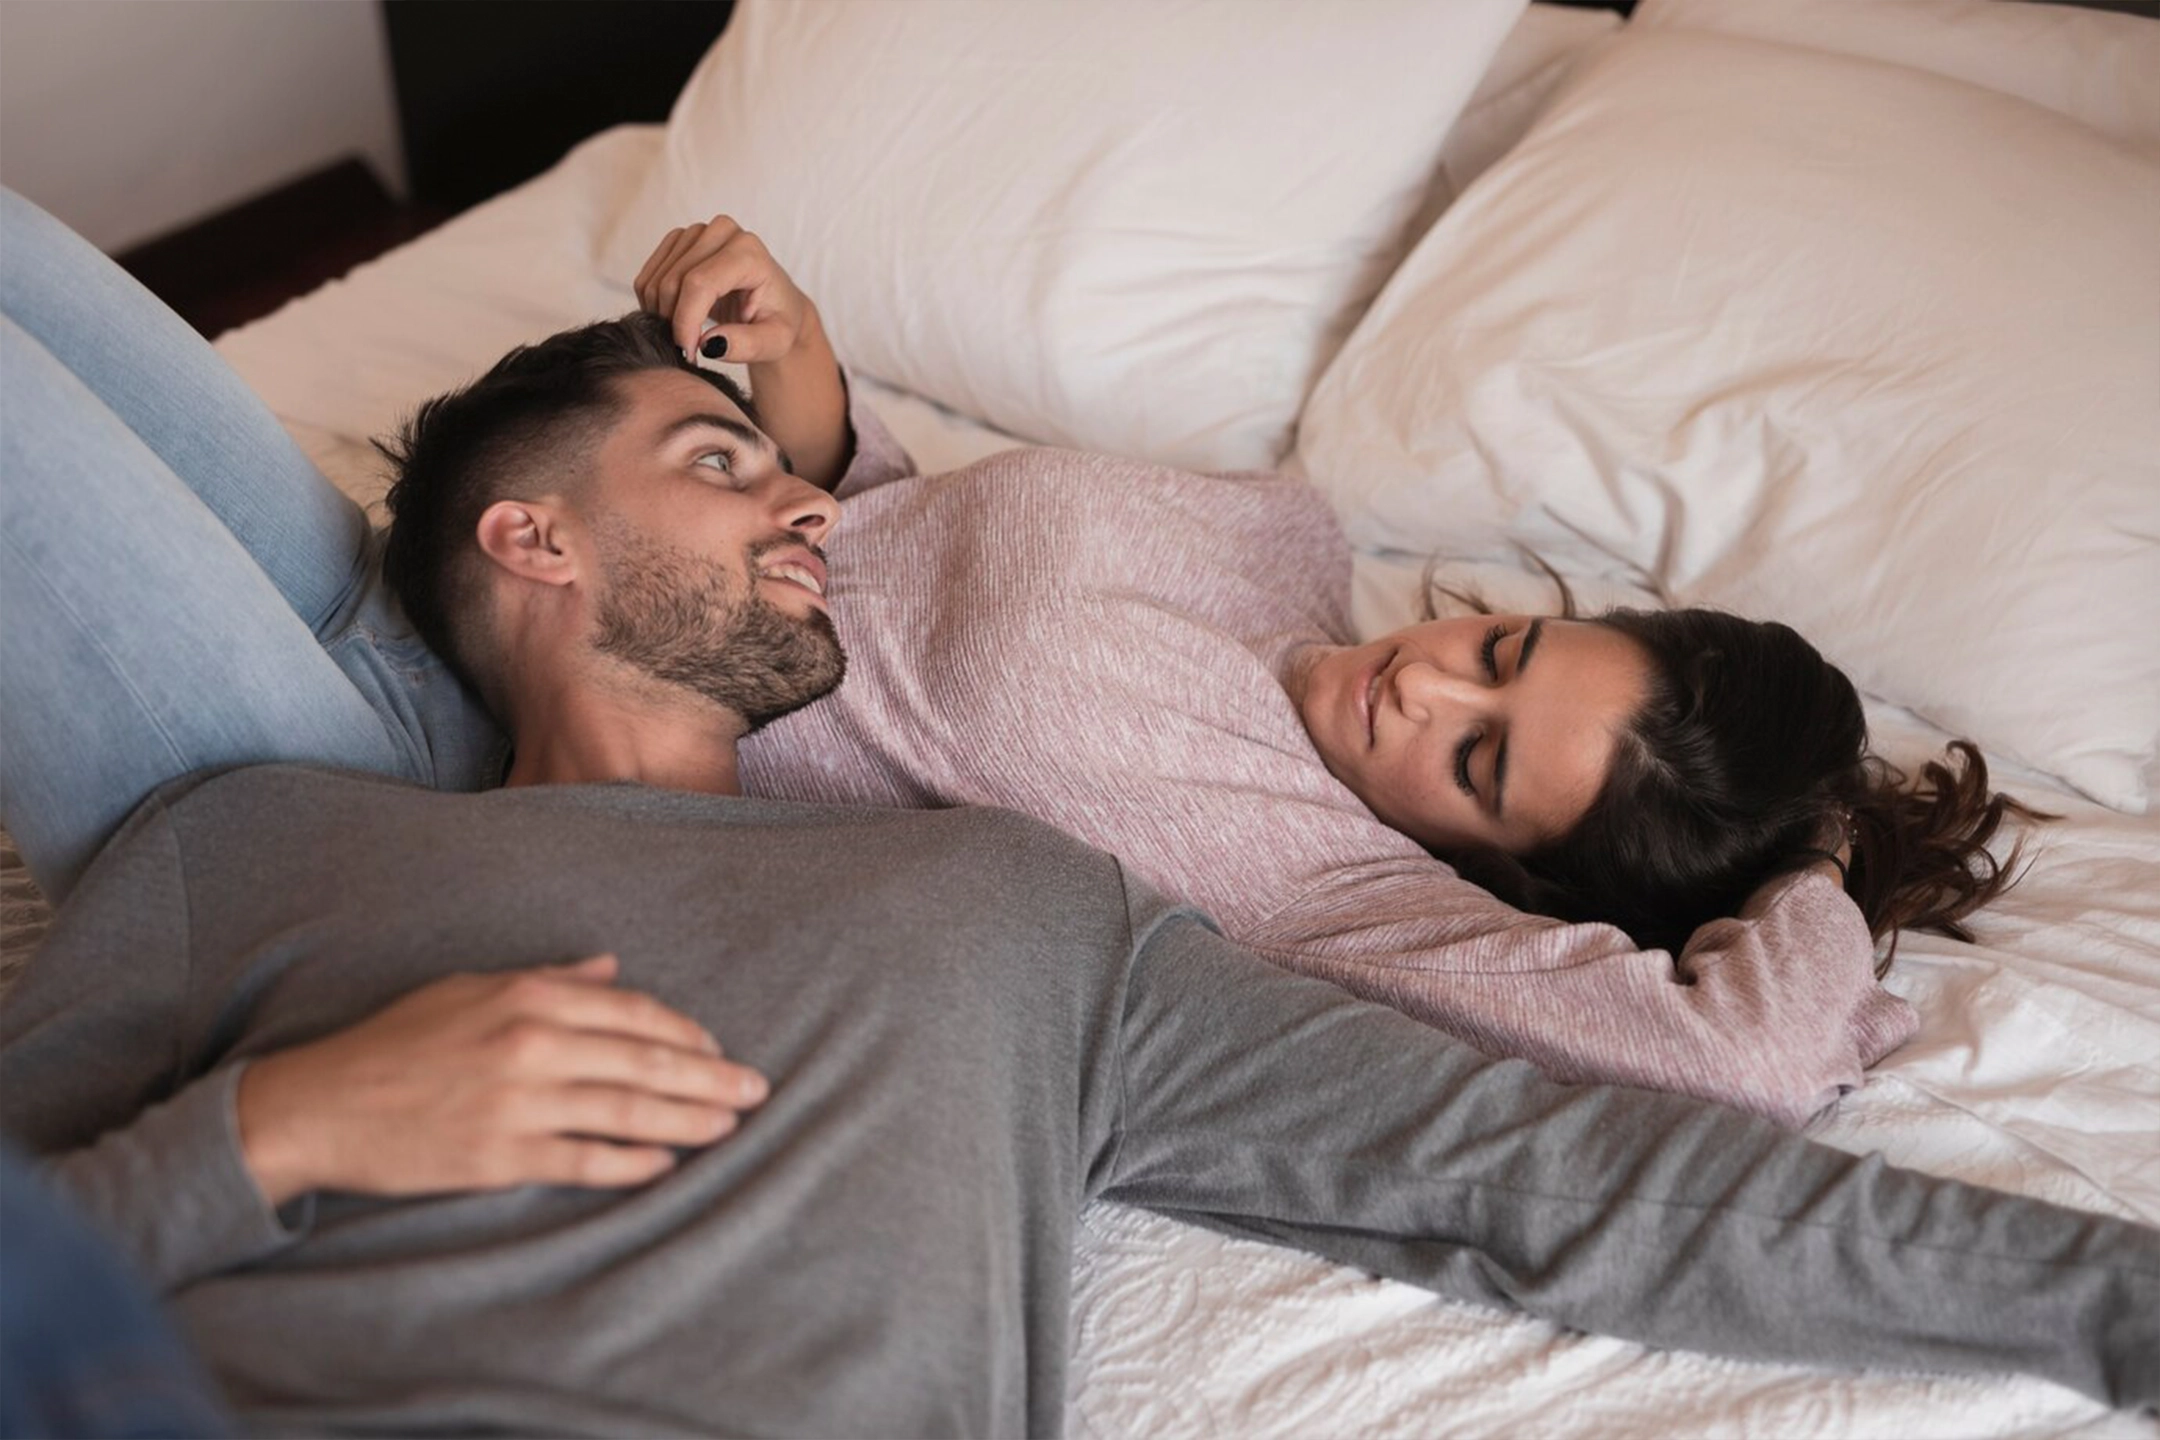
[139,639]
[186,406]
[83,1347]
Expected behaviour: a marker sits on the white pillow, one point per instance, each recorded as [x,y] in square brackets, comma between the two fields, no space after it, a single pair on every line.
[1140,226]
[2099,68]
[1839,343]
[1547,43]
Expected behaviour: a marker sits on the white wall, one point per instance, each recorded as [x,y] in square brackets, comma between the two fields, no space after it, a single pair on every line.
[131,118]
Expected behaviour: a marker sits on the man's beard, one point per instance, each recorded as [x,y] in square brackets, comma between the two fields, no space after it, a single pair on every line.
[685,621]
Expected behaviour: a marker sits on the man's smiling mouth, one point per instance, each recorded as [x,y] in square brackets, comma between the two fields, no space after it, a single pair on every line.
[797,574]
[795,566]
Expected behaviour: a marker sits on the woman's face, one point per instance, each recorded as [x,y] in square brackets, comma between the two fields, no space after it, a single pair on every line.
[1485,730]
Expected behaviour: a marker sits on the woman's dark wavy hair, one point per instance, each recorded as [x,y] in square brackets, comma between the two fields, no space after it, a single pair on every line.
[1747,757]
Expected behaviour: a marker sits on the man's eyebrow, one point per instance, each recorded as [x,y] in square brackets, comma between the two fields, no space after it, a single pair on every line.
[1499,764]
[708,420]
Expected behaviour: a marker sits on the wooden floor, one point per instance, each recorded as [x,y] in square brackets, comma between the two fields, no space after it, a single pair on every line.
[243,263]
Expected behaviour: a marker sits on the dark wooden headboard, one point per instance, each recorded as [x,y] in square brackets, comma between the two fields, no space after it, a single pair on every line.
[491,94]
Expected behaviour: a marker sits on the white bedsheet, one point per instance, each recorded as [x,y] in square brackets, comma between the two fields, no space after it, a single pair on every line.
[2034,1069]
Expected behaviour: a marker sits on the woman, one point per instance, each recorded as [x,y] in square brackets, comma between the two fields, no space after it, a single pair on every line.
[1156,661]
[1742,752]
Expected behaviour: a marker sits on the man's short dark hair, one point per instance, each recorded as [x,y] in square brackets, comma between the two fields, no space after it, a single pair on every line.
[533,423]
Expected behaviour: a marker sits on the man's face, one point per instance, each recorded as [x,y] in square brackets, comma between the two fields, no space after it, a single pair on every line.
[712,580]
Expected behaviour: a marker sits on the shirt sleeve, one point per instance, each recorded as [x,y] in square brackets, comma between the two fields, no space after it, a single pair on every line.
[878,457]
[174,1188]
[1776,1010]
[102,1079]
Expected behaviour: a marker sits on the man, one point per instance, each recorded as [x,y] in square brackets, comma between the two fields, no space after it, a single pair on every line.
[324,1050]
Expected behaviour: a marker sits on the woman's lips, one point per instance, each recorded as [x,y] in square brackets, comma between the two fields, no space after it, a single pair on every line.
[1368,699]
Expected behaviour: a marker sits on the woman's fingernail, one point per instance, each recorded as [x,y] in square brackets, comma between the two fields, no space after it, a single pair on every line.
[715,347]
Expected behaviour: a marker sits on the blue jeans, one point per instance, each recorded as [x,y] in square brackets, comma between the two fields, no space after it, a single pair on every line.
[180,588]
[83,1347]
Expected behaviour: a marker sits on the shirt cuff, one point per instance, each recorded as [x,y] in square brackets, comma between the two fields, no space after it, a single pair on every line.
[175,1189]
[1813,905]
[878,457]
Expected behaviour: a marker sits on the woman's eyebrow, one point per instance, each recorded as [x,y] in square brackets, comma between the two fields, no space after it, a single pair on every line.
[1529,644]
[1499,764]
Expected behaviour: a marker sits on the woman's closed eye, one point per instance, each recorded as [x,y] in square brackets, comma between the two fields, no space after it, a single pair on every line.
[1489,652]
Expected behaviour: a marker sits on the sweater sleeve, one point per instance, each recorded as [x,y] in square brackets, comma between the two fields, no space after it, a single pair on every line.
[174,1187]
[878,458]
[1775,1010]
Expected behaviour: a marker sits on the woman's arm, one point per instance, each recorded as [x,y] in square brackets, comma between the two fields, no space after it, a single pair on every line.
[1776,1010]
[720,272]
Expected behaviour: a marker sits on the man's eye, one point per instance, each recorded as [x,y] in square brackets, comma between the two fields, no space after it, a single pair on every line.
[726,460]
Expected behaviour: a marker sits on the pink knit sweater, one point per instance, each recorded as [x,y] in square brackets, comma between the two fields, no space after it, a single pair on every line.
[1101,644]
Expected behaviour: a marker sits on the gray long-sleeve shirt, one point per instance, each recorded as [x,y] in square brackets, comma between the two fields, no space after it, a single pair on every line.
[264,908]
[972,1023]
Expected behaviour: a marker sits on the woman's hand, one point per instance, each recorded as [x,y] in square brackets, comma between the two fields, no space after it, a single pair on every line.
[1835,844]
[482,1082]
[721,272]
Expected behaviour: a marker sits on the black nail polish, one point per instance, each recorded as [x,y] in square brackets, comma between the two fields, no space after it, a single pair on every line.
[714,348]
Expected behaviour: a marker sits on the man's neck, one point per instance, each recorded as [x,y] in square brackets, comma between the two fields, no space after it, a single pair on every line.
[572,735]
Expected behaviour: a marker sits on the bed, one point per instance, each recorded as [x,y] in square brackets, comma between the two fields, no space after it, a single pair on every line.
[1844,312]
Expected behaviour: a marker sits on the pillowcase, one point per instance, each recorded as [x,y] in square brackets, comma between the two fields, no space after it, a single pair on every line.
[2099,68]
[1844,344]
[1140,226]
[1537,55]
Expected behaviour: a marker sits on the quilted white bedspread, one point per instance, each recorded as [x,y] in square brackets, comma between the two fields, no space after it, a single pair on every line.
[2035,1069]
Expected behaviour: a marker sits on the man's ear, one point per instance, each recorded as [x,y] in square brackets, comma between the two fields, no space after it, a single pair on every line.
[526,538]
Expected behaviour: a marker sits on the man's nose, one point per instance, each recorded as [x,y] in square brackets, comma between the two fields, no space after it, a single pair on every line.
[802,507]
